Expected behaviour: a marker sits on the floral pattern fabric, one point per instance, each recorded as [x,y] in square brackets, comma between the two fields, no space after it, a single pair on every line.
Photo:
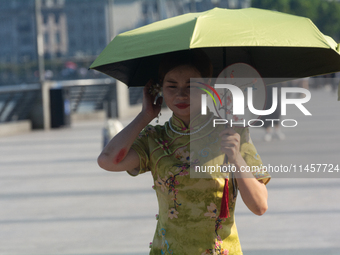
[189,207]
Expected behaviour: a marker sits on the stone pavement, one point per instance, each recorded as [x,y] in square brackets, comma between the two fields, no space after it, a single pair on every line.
[54,199]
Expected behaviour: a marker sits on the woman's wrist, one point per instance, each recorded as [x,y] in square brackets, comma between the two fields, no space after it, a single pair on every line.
[237,160]
[240,163]
[144,119]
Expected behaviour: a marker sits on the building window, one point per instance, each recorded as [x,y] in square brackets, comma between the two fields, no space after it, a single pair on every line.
[102,41]
[24,26]
[57,37]
[46,38]
[49,3]
[71,28]
[73,43]
[25,40]
[45,18]
[60,2]
[56,15]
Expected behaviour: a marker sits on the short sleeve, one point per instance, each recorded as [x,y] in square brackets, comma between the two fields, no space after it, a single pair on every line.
[141,147]
[252,158]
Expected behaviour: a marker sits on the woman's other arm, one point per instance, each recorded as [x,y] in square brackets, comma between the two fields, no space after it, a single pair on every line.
[253,192]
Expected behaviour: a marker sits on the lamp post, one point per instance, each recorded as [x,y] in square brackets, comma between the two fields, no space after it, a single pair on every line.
[40,116]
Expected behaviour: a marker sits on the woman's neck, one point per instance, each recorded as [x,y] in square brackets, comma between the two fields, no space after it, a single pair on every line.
[186,121]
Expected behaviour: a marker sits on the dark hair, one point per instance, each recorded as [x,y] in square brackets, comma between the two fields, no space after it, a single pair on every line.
[196,58]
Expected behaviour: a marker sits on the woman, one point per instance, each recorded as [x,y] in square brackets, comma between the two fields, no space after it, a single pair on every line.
[190,217]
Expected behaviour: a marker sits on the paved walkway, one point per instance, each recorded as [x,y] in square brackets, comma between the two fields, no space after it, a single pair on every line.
[54,199]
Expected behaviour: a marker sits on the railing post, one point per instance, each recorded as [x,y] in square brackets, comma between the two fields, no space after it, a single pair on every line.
[123,102]
[40,114]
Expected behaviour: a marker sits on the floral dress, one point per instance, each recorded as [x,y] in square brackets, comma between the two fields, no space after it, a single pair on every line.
[189,204]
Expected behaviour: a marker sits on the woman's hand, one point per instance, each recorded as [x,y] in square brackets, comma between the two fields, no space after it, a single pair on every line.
[253,192]
[150,109]
[230,144]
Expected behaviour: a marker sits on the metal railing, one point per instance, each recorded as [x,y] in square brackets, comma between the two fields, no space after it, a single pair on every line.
[16,101]
[87,95]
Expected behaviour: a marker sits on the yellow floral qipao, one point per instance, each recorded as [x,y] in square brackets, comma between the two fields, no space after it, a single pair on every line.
[188,217]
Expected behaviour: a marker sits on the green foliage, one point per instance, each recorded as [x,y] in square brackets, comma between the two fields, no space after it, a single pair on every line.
[324,13]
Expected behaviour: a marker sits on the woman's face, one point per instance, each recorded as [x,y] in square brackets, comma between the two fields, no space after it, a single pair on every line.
[177,92]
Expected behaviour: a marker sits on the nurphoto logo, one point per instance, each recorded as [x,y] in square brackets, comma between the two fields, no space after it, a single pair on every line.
[234,105]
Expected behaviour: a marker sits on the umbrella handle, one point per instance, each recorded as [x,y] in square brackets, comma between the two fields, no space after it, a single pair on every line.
[225,155]
[224,210]
[225,159]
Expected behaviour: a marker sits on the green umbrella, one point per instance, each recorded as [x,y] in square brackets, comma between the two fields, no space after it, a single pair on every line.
[276,44]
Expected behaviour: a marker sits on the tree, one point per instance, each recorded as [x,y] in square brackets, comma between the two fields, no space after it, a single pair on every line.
[324,14]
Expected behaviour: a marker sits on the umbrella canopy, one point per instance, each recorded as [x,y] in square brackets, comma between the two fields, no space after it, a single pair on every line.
[276,44]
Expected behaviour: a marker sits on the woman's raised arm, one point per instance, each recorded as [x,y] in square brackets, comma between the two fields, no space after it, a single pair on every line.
[117,154]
